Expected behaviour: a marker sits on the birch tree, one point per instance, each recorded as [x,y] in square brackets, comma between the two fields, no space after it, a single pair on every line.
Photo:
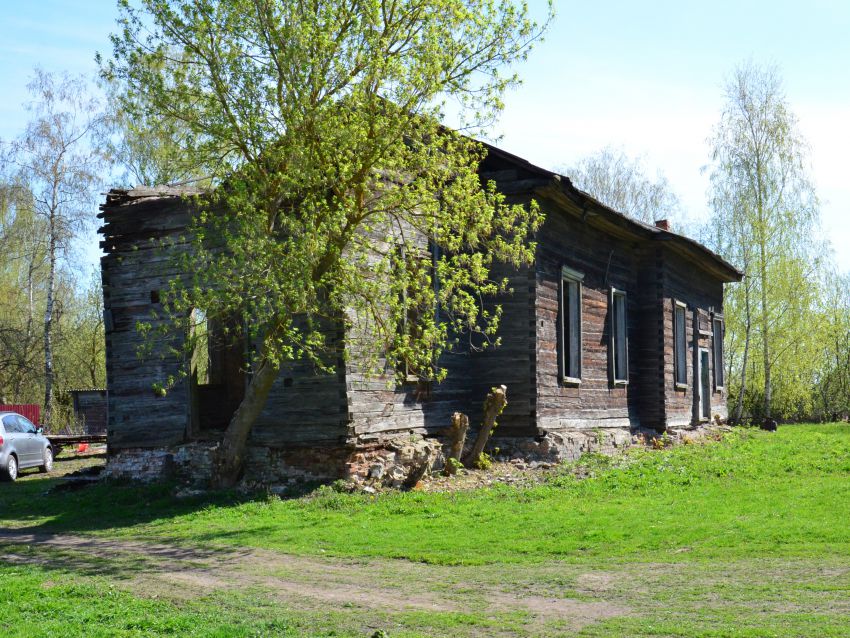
[22,252]
[832,383]
[765,220]
[321,123]
[56,159]
[622,183]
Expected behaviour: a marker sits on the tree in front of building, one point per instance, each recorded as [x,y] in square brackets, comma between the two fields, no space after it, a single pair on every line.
[341,197]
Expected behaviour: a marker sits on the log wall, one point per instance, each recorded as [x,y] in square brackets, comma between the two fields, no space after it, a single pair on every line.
[379,407]
[704,296]
[142,237]
[345,408]
[135,268]
[605,262]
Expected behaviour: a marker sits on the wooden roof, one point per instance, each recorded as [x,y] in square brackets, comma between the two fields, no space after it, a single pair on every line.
[515,175]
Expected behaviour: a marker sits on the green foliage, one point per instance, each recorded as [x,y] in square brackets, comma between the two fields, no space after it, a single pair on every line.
[79,358]
[453,465]
[320,127]
[765,222]
[830,397]
[145,148]
[484,462]
[50,175]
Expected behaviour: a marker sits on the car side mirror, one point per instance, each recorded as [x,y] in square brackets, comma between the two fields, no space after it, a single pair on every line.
[39,430]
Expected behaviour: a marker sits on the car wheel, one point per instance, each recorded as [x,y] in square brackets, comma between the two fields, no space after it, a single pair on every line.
[10,472]
[47,466]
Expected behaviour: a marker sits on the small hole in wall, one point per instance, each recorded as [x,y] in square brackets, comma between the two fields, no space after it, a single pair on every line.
[154,296]
[287,382]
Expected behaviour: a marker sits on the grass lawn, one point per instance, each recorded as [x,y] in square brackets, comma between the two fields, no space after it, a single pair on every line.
[744,537]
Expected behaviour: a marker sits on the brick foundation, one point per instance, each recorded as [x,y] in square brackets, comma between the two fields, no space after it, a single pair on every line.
[565,445]
[393,462]
[191,462]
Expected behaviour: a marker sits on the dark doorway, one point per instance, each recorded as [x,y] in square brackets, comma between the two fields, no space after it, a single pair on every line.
[217,370]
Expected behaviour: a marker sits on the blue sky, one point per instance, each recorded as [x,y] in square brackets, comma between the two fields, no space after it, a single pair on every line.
[646,77]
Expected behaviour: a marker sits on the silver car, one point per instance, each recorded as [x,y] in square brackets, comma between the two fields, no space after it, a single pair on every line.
[21,446]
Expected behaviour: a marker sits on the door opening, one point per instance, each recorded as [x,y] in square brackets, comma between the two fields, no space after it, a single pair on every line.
[217,367]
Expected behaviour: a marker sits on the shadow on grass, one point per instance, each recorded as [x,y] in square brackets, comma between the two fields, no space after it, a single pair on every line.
[121,560]
[42,506]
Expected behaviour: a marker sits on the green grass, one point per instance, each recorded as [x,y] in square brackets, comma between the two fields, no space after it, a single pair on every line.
[40,603]
[784,494]
[748,536]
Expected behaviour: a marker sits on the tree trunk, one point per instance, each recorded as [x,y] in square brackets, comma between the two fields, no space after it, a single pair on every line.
[765,336]
[48,326]
[493,406]
[22,359]
[460,424]
[231,454]
[739,408]
[762,238]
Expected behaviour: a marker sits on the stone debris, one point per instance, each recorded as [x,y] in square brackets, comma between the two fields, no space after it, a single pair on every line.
[394,463]
[410,461]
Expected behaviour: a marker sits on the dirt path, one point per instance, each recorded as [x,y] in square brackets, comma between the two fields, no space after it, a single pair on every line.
[308,582]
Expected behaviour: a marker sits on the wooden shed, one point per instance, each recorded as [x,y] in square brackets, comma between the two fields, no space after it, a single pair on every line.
[90,409]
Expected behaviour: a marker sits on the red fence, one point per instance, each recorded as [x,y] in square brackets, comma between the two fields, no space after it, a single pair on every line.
[30,410]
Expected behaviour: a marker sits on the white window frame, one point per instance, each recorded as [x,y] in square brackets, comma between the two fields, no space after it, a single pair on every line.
[680,371]
[613,343]
[569,277]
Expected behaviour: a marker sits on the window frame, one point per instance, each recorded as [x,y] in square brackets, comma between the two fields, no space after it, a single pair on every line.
[569,278]
[613,344]
[680,371]
[719,366]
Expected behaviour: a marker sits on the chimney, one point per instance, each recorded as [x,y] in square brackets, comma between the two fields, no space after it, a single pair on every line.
[663,224]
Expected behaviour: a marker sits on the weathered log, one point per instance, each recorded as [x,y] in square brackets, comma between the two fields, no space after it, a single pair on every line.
[457,436]
[494,404]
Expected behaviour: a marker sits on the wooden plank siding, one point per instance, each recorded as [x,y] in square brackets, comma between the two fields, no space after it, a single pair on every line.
[652,266]
[513,362]
[347,407]
[378,405]
[142,238]
[703,297]
[565,240]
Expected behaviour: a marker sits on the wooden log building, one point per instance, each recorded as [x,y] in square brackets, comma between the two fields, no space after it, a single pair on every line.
[617,326]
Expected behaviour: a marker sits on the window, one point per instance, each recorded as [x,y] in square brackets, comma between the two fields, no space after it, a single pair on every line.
[199,333]
[569,314]
[717,342]
[619,348]
[680,346]
[10,423]
[26,426]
